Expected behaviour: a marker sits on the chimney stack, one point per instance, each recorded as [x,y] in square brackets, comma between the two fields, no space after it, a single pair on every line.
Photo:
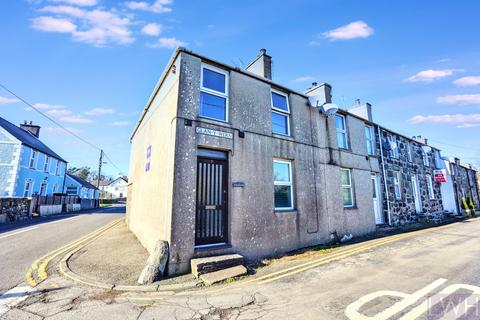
[31,128]
[362,110]
[323,90]
[262,65]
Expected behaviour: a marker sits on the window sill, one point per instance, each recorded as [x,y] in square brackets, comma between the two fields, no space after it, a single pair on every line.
[283,136]
[213,121]
[350,208]
[218,246]
[281,211]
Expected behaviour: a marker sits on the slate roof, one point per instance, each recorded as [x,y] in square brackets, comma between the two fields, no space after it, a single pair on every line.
[82,182]
[28,139]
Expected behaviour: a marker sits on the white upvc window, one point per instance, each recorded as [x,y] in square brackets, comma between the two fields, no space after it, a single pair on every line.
[392,141]
[370,138]
[347,187]
[54,188]
[43,188]
[46,166]
[282,184]
[27,191]
[409,151]
[280,113]
[214,93]
[33,159]
[342,136]
[57,168]
[426,160]
[397,185]
[430,187]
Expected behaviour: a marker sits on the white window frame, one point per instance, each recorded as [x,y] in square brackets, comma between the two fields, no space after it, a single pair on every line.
[46,165]
[214,92]
[284,183]
[409,151]
[28,193]
[397,185]
[54,188]
[393,153]
[280,111]
[344,131]
[46,188]
[431,193]
[57,169]
[426,160]
[371,140]
[34,158]
[347,186]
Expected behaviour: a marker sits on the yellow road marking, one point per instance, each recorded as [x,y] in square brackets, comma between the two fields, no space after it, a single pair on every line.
[45,259]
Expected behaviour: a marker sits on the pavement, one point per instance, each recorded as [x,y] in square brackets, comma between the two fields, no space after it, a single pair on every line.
[429,274]
[23,242]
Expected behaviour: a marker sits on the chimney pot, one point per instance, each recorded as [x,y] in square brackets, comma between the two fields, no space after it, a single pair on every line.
[31,128]
[263,51]
[314,84]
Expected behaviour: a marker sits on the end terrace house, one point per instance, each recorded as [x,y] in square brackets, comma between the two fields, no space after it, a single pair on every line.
[225,160]
[27,165]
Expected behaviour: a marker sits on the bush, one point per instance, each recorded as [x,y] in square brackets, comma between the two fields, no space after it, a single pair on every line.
[464,204]
[471,205]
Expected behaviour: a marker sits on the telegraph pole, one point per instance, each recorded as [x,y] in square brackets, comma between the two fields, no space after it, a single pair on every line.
[99,169]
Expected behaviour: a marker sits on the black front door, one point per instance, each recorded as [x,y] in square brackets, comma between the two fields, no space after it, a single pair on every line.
[212,194]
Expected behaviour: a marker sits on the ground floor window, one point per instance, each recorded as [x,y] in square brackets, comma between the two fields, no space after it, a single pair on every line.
[430,187]
[43,189]
[28,188]
[283,187]
[396,185]
[347,188]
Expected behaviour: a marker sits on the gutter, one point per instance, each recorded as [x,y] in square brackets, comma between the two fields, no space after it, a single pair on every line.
[384,177]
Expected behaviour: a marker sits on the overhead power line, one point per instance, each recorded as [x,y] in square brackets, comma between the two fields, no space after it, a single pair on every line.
[60,125]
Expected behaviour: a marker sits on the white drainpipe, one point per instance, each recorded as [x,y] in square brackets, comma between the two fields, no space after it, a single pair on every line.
[384,177]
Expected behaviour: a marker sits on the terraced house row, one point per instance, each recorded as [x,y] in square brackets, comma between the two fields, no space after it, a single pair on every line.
[224,160]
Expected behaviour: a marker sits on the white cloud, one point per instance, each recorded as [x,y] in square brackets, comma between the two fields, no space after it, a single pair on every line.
[5,100]
[169,43]
[99,111]
[97,26]
[50,24]
[152,29]
[158,6]
[468,81]
[462,119]
[120,123]
[57,130]
[431,75]
[46,106]
[77,119]
[357,29]
[460,99]
[80,3]
[58,113]
[303,79]
[468,125]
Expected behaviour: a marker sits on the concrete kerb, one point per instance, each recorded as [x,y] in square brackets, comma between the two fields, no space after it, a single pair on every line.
[67,272]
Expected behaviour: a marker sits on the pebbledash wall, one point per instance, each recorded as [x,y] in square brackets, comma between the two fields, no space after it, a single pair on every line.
[162,199]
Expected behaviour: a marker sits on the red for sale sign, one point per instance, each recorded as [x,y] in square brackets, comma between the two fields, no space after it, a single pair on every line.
[440,176]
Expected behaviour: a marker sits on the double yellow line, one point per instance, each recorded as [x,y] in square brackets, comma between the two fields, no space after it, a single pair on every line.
[37,272]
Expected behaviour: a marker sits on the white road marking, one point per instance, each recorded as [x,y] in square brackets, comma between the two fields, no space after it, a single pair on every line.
[36,227]
[13,297]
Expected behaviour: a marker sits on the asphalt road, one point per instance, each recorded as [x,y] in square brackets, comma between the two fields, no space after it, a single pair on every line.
[24,242]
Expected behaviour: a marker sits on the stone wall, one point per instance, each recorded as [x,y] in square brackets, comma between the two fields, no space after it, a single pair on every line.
[14,209]
[465,181]
[403,211]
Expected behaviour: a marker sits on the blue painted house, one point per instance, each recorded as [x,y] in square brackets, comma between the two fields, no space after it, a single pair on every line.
[76,186]
[28,166]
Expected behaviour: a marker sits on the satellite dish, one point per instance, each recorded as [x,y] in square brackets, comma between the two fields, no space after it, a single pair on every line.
[329,109]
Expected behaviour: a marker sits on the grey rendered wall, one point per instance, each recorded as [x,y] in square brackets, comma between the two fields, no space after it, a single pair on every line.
[9,160]
[256,230]
[150,192]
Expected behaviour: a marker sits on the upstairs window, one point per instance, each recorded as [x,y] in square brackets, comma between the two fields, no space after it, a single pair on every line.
[341,126]
[57,169]
[280,114]
[370,138]
[46,167]
[392,142]
[397,185]
[214,93]
[426,160]
[430,187]
[347,188]
[409,151]
[33,159]
[282,184]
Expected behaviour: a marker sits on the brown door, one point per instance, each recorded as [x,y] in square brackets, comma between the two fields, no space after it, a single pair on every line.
[212,194]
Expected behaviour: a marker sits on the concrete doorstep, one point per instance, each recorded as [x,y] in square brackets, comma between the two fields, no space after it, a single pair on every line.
[222,275]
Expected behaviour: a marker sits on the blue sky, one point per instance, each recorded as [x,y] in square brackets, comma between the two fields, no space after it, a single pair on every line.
[92,64]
